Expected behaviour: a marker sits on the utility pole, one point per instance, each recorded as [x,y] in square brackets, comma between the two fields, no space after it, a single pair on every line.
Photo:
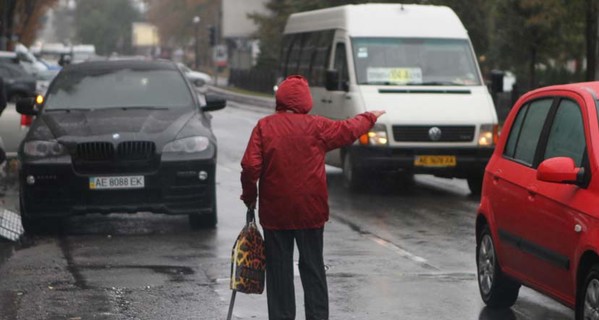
[196,23]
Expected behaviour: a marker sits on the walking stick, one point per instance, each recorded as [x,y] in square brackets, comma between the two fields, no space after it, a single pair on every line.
[231,304]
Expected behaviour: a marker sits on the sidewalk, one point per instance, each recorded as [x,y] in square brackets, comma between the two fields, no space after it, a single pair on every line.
[9,195]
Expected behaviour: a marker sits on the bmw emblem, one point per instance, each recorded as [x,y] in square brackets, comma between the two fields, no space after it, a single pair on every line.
[116,136]
[434,133]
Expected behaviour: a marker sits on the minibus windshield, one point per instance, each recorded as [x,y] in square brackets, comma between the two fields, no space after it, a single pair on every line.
[408,61]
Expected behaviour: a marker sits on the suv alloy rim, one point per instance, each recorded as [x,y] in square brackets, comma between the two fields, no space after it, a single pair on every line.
[591,301]
[486,263]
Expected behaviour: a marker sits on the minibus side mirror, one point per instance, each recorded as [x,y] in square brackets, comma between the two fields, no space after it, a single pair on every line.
[331,82]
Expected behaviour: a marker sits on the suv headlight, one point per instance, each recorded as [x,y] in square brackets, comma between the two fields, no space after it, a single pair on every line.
[487,137]
[187,145]
[377,136]
[42,149]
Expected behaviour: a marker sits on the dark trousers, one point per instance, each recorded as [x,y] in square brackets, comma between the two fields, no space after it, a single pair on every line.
[279,273]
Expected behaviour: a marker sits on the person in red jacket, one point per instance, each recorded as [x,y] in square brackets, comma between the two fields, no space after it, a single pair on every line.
[286,153]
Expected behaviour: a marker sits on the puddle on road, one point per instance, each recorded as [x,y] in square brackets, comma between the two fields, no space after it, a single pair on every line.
[132,276]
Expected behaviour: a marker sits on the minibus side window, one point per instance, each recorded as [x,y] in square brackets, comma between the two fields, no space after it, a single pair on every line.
[340,63]
[322,53]
[307,52]
[294,54]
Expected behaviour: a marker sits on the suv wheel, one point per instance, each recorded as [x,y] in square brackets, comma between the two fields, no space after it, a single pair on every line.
[496,289]
[33,226]
[587,304]
[204,220]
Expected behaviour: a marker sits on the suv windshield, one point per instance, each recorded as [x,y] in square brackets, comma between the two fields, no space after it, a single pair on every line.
[118,88]
[403,61]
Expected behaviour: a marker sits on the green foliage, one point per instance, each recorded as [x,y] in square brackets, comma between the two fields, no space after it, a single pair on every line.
[106,24]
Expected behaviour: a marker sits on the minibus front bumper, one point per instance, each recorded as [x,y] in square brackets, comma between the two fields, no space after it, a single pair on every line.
[457,162]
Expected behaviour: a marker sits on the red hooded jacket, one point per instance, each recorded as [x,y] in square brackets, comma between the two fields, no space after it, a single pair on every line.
[286,152]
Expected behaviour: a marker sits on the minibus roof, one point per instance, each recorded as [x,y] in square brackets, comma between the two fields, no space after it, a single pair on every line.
[382,20]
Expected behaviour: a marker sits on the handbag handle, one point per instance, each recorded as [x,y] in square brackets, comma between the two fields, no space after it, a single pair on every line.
[250,216]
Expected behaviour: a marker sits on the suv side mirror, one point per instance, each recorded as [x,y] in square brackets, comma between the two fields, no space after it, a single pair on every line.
[331,82]
[26,106]
[214,102]
[560,170]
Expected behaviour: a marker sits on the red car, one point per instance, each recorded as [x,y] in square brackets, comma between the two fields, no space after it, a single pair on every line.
[538,220]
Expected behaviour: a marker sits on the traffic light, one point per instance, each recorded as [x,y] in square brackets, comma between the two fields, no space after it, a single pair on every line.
[212,35]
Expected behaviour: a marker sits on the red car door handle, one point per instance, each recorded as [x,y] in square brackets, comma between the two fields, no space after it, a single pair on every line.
[496,176]
[532,192]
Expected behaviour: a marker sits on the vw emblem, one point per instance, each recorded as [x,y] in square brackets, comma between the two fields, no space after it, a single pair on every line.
[434,133]
[116,136]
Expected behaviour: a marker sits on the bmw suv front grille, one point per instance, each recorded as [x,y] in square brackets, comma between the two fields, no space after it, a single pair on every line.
[95,151]
[106,158]
[136,150]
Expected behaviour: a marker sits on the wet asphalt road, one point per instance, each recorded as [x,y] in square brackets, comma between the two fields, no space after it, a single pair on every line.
[398,251]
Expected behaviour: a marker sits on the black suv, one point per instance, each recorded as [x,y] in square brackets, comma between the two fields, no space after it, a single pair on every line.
[119,136]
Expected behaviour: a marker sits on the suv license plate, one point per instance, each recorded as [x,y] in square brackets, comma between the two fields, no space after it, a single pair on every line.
[435,161]
[123,182]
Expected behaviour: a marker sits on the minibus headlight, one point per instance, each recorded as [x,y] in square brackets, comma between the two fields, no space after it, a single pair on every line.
[487,136]
[377,136]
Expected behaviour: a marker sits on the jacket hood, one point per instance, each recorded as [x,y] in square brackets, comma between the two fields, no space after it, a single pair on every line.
[294,95]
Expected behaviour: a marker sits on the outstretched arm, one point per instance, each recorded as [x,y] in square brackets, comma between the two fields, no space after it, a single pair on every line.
[336,134]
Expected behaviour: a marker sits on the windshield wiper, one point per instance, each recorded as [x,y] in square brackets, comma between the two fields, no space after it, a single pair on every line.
[67,109]
[379,83]
[139,107]
[434,83]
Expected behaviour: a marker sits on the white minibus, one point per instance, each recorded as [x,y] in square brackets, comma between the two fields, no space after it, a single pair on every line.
[414,61]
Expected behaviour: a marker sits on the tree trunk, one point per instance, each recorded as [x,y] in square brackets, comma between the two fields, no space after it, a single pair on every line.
[531,68]
[591,39]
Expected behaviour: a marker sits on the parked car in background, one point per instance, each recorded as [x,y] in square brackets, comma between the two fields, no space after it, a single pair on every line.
[199,79]
[17,82]
[147,145]
[83,52]
[538,222]
[43,80]
[12,130]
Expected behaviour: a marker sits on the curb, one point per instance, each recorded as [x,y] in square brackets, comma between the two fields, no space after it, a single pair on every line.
[245,98]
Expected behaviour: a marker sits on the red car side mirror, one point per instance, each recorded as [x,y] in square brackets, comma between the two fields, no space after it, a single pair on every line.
[560,170]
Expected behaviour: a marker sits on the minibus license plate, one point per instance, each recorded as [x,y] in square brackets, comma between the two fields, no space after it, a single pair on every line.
[123,182]
[435,161]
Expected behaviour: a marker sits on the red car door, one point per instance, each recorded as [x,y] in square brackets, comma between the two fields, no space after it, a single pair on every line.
[555,221]
[512,176]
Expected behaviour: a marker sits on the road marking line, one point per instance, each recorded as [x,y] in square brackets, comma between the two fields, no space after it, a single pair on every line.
[401,252]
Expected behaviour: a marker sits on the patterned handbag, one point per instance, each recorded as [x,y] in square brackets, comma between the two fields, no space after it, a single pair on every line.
[248,260]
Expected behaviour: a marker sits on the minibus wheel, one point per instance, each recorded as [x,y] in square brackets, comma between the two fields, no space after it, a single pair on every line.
[354,179]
